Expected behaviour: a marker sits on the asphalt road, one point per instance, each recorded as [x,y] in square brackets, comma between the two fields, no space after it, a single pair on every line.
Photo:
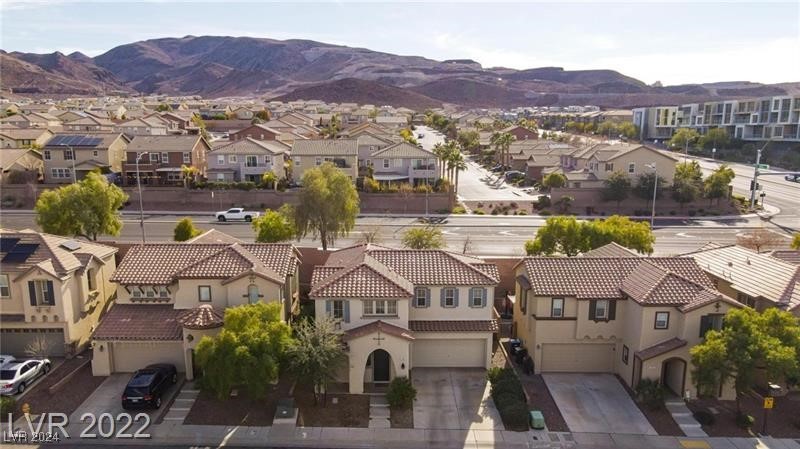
[483,235]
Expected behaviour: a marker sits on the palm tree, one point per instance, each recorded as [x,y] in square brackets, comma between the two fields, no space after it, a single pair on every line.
[333,128]
[439,151]
[502,144]
[456,164]
[189,174]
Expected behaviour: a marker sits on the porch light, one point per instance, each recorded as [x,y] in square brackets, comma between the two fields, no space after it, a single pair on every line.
[403,365]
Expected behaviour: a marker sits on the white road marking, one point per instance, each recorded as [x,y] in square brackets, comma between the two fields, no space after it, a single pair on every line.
[683,234]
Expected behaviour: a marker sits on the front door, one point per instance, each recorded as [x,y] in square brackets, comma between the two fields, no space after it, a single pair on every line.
[380,366]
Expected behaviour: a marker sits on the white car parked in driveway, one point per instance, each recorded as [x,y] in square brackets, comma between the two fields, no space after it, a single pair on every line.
[236,213]
[17,375]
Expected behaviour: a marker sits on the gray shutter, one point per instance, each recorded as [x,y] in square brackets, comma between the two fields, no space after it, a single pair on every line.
[592,309]
[51,295]
[612,310]
[455,300]
[347,311]
[32,292]
[427,297]
[483,297]
[328,307]
[471,291]
[441,296]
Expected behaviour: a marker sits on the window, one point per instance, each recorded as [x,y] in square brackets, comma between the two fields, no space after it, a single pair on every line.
[476,297]
[164,157]
[632,167]
[662,320]
[220,176]
[251,161]
[746,300]
[163,292]
[601,309]
[710,322]
[41,293]
[95,153]
[297,161]
[557,308]
[61,172]
[609,166]
[318,161]
[231,158]
[46,155]
[5,288]
[69,155]
[220,159]
[380,307]
[136,293]
[449,297]
[187,158]
[386,163]
[154,157]
[625,354]
[252,293]
[421,297]
[204,293]
[337,309]
[90,279]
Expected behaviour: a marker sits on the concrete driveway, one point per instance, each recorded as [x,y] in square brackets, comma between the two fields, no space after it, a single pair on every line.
[453,398]
[107,398]
[596,403]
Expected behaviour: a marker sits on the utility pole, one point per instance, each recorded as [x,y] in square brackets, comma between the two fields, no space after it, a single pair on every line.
[139,185]
[754,185]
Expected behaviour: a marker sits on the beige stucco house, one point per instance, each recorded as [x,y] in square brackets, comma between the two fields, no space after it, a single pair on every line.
[403,309]
[170,295]
[633,316]
[52,290]
[307,154]
[403,162]
[247,159]
[589,167]
[84,153]
[24,137]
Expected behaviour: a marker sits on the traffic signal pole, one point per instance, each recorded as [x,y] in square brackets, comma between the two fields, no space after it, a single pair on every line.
[754,184]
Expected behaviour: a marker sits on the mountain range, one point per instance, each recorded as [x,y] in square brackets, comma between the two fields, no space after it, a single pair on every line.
[217,66]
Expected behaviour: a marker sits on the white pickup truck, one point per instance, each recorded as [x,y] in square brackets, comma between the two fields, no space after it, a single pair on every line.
[236,213]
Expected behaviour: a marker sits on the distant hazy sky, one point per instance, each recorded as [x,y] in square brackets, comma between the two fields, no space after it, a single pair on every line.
[675,42]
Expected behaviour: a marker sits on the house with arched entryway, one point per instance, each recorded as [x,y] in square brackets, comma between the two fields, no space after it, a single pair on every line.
[400,309]
[611,311]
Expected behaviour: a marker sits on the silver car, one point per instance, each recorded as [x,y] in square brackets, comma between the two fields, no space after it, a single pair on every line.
[6,359]
[17,375]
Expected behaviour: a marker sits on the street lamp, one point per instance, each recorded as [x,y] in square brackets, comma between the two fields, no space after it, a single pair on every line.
[655,189]
[139,186]
[74,175]
[754,185]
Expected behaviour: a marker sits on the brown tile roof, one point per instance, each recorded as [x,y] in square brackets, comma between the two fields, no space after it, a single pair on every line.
[364,278]
[201,317]
[660,348]
[375,327]
[612,249]
[214,236]
[140,322]
[163,143]
[453,325]
[662,280]
[162,263]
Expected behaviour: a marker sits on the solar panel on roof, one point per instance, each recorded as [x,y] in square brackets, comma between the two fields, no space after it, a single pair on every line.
[20,252]
[6,243]
[74,141]
[70,245]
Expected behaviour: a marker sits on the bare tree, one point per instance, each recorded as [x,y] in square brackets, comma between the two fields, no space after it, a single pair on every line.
[466,248]
[760,239]
[39,347]
[371,235]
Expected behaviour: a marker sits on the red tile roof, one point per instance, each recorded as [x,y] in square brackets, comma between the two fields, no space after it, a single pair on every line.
[201,317]
[660,348]
[453,325]
[366,278]
[140,322]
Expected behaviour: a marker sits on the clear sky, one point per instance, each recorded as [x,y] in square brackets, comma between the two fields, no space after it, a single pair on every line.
[675,42]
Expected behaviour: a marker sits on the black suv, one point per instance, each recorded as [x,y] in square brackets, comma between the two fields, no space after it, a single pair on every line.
[148,385]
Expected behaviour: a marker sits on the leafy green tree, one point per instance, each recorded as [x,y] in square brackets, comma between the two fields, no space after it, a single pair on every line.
[316,353]
[749,341]
[163,107]
[607,129]
[469,140]
[644,186]
[328,204]
[201,125]
[428,237]
[627,130]
[688,182]
[683,138]
[554,181]
[87,208]
[559,235]
[269,180]
[569,237]
[714,138]
[248,351]
[185,230]
[716,185]
[796,241]
[333,128]
[408,136]
[621,230]
[264,115]
[275,225]
[574,127]
[616,187]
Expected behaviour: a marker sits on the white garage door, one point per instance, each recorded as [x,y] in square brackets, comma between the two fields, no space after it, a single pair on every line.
[128,357]
[448,353]
[577,358]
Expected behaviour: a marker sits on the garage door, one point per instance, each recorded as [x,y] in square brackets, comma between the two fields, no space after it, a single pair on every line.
[577,358]
[128,357]
[448,353]
[16,341]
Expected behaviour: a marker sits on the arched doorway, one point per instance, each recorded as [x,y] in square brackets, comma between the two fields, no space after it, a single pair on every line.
[379,368]
[673,375]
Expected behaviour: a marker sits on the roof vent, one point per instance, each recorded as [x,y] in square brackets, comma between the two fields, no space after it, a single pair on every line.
[748,261]
[730,264]
[70,245]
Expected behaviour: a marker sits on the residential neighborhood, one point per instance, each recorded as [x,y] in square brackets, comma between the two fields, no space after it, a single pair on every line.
[258,239]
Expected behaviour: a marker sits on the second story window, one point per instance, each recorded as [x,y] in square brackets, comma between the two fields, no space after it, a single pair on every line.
[46,155]
[204,293]
[251,161]
[632,167]
[386,163]
[231,158]
[90,279]
[609,166]
[476,297]
[68,155]
[187,158]
[41,293]
[337,309]
[421,297]
[382,307]
[220,159]
[557,308]
[318,161]
[297,161]
[5,288]
[662,320]
[449,297]
[164,157]
[601,309]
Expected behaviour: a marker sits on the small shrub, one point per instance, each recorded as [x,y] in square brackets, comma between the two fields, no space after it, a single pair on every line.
[496,374]
[7,405]
[480,205]
[479,212]
[495,211]
[246,185]
[371,185]
[545,213]
[522,212]
[509,386]
[459,209]
[423,188]
[401,393]
[744,420]
[704,417]
[515,416]
[544,201]
[651,393]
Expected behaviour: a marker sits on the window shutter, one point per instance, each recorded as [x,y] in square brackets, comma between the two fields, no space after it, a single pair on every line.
[612,310]
[328,308]
[523,301]
[441,296]
[483,297]
[470,301]
[592,309]
[32,292]
[347,311]
[427,297]
[705,325]
[455,297]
